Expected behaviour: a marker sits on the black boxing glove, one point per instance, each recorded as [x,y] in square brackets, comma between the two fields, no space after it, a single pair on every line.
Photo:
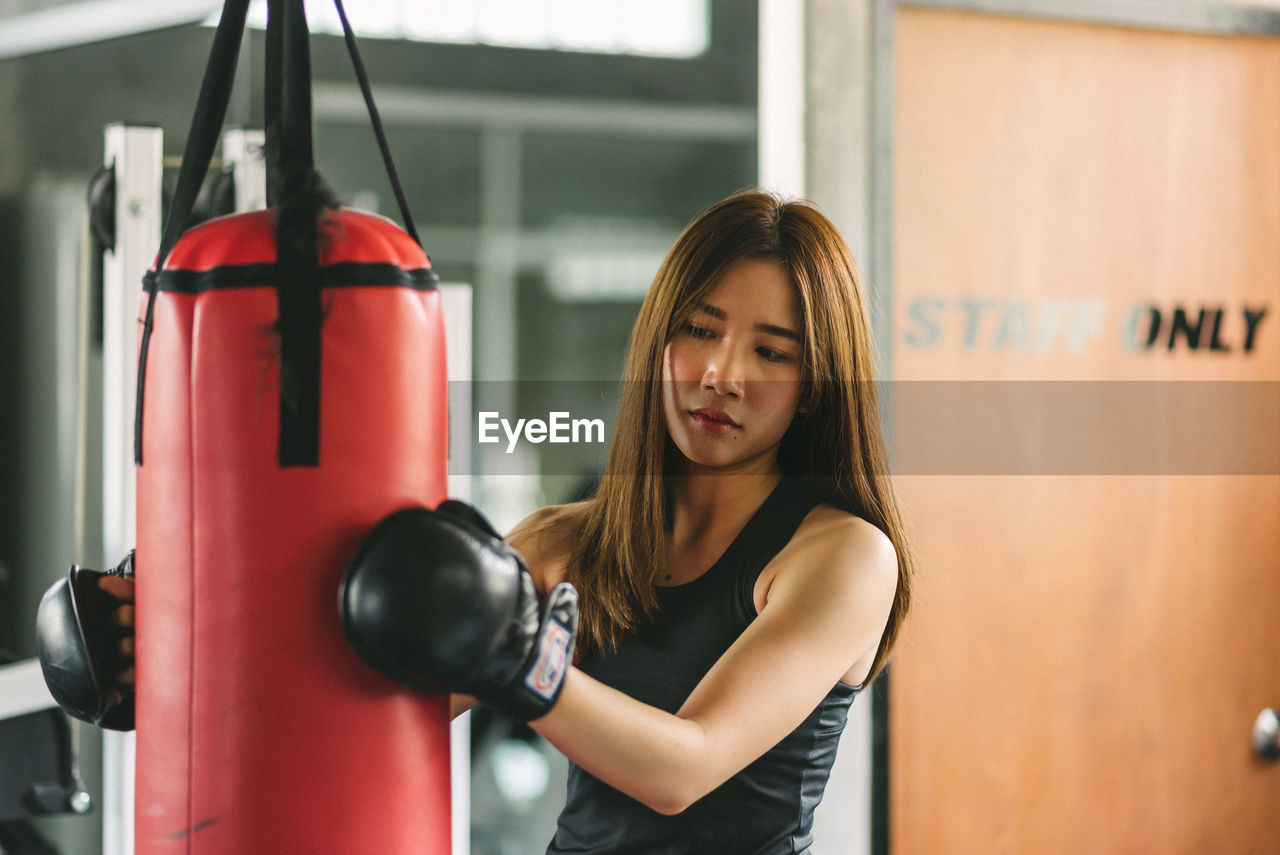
[78,644]
[438,601]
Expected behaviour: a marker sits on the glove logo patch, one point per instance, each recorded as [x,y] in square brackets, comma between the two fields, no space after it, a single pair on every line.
[553,659]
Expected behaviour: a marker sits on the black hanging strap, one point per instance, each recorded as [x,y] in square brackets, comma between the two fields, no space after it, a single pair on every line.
[206,124]
[376,121]
[297,269]
[271,87]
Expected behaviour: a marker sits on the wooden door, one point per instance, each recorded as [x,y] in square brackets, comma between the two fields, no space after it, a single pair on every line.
[1086,280]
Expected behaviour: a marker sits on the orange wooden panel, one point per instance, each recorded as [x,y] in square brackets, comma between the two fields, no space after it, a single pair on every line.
[1084,661]
[1087,651]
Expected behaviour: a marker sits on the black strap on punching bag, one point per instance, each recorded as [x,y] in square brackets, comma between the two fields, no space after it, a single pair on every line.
[211,108]
[291,189]
[376,121]
[297,270]
[271,89]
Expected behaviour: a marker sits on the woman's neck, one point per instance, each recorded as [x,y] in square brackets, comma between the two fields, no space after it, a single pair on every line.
[708,504]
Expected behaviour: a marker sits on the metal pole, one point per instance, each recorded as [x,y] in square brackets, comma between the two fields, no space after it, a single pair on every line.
[455,301]
[136,154]
[242,150]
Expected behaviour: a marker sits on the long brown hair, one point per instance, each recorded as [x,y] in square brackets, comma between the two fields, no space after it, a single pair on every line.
[837,444]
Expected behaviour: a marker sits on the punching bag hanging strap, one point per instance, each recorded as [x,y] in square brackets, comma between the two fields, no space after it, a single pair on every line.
[206,124]
[376,121]
[297,269]
[271,94]
[273,97]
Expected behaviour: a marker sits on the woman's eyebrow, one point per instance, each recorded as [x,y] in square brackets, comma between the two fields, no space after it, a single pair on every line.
[772,329]
[708,309]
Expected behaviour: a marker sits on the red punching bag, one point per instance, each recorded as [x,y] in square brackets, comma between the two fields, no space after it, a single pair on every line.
[292,392]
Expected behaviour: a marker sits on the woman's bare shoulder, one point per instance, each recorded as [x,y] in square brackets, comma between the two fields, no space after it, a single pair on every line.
[833,539]
[546,538]
[829,531]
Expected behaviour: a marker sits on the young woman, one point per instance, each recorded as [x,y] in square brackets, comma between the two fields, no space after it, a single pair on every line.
[742,568]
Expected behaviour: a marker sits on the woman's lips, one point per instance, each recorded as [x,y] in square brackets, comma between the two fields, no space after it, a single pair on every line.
[716,421]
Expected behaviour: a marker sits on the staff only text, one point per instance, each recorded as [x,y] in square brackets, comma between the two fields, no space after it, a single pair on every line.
[1046,324]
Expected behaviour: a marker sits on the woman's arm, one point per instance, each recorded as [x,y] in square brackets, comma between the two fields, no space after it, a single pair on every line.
[825,612]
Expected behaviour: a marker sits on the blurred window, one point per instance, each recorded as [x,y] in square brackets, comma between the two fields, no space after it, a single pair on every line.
[678,29]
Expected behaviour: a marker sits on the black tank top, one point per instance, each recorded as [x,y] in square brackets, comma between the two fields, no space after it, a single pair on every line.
[767,808]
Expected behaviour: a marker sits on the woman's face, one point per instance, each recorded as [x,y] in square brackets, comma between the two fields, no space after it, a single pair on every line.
[732,374]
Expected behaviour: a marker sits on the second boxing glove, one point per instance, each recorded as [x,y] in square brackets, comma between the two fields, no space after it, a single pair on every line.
[78,644]
[437,600]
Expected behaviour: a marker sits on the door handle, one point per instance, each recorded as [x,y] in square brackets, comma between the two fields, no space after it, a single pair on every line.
[1266,735]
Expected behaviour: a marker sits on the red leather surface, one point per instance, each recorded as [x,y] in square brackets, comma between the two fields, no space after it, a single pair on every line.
[259,731]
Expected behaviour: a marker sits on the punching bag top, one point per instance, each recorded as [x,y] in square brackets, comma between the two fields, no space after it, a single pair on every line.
[298,267]
[354,248]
